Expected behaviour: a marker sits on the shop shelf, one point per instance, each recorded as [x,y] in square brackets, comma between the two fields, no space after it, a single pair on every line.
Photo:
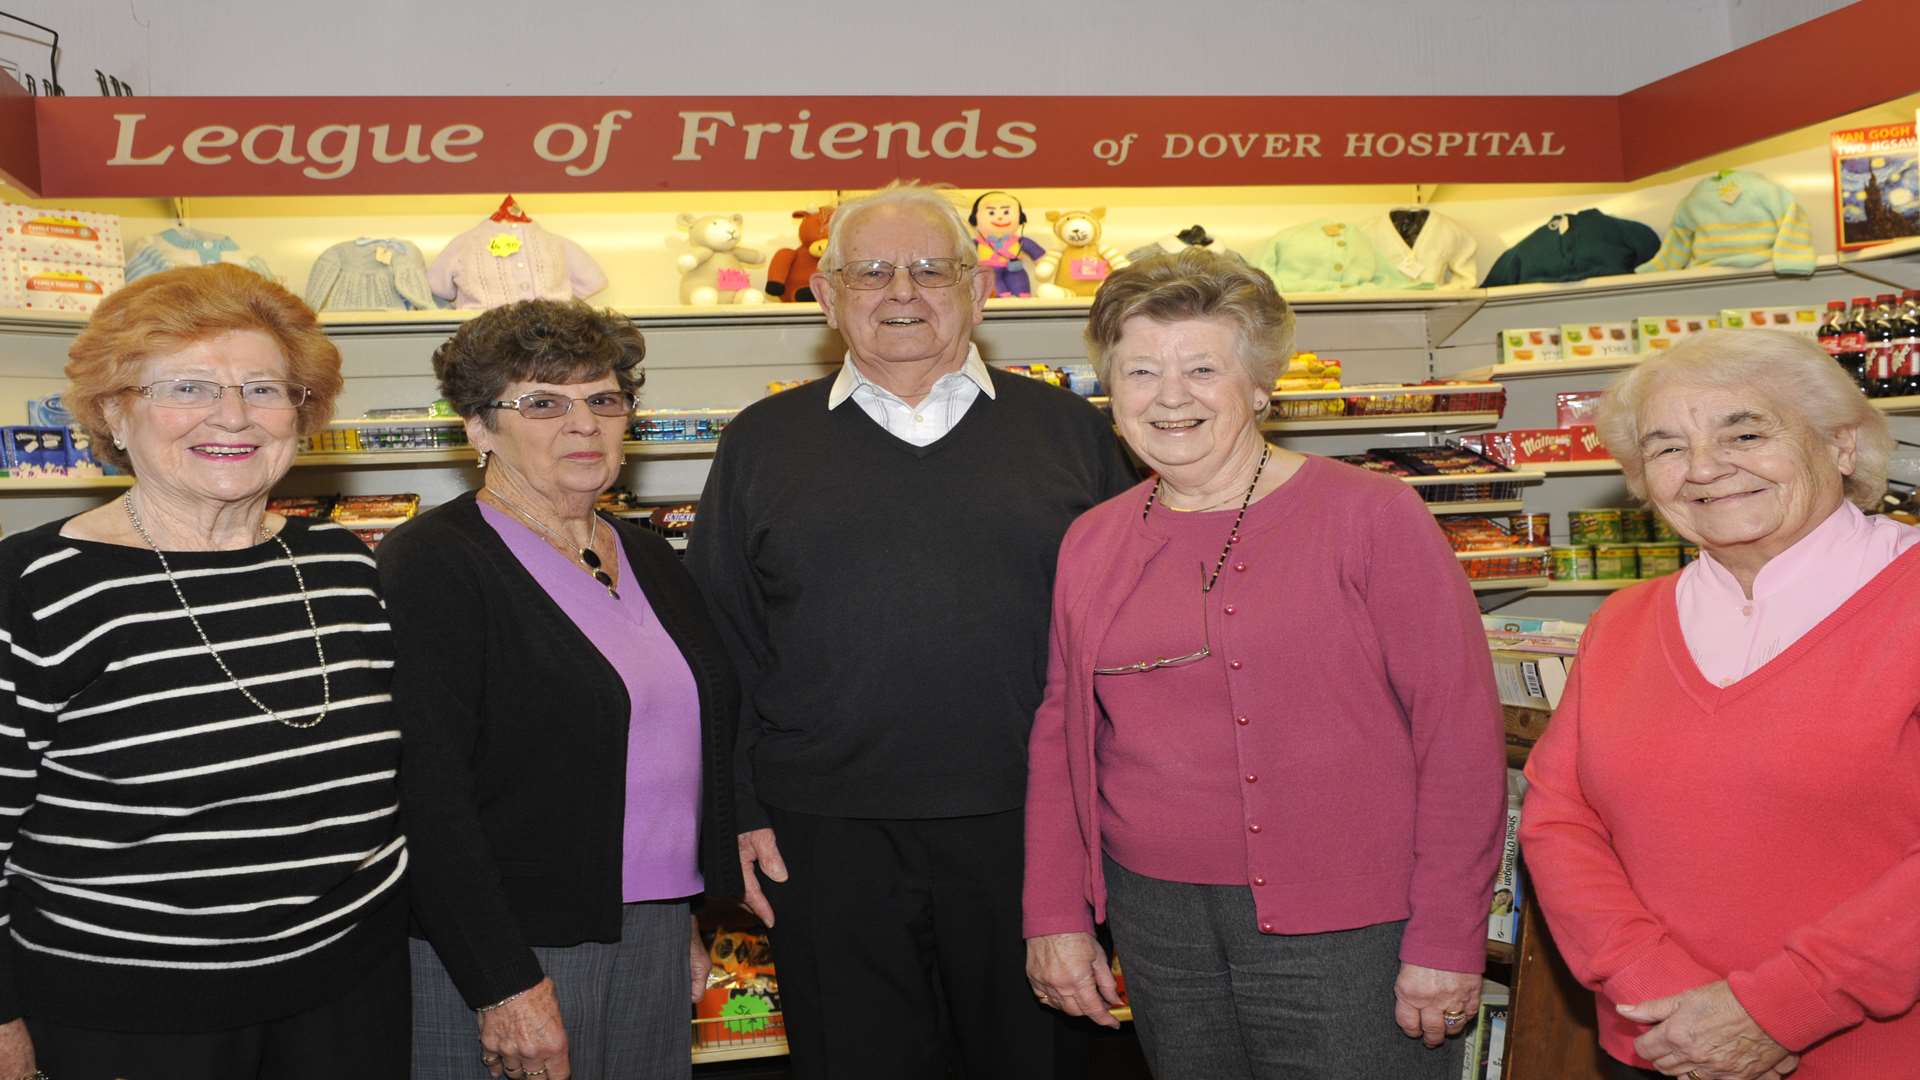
[1543,369]
[1532,474]
[1897,406]
[1333,425]
[465,455]
[50,485]
[1551,469]
[1523,584]
[1611,585]
[1496,506]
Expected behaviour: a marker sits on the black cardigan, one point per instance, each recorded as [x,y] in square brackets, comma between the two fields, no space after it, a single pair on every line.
[513,767]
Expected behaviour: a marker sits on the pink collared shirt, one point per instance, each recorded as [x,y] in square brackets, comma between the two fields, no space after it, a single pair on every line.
[1731,637]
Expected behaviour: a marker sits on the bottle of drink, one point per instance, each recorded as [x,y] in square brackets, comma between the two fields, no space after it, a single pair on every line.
[1906,341]
[1853,342]
[1881,330]
[1832,334]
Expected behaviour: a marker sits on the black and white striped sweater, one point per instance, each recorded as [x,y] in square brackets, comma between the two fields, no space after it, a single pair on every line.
[175,860]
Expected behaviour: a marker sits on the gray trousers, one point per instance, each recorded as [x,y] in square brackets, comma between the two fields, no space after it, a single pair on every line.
[1215,999]
[626,1006]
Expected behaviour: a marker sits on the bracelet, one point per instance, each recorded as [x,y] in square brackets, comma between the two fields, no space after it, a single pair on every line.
[482,1009]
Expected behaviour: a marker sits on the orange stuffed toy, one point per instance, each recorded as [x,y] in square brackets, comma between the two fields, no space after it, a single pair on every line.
[792,268]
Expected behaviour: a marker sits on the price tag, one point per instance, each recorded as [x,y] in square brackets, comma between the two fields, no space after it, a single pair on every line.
[383,255]
[503,245]
[1729,193]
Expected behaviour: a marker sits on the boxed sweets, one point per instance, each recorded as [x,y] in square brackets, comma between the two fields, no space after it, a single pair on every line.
[1794,320]
[1664,331]
[1525,344]
[679,425]
[302,506]
[1585,341]
[1583,444]
[68,236]
[1572,407]
[1528,446]
[30,451]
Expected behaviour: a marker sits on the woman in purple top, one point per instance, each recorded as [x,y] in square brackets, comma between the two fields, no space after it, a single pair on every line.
[568,720]
[1269,755]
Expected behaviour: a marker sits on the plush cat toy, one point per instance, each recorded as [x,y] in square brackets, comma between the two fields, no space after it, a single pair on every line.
[1079,267]
[715,271]
[792,268]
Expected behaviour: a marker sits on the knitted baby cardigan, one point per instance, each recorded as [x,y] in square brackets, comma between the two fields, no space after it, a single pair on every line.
[369,274]
[499,262]
[1741,219]
[1327,256]
[182,246]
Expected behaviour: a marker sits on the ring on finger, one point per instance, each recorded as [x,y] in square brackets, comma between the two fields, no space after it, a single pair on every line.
[1695,1074]
[489,1060]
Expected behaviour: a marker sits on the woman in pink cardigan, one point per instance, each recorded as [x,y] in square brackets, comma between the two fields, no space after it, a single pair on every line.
[1724,819]
[1269,755]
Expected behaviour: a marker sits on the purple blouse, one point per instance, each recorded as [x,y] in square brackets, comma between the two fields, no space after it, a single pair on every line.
[659,853]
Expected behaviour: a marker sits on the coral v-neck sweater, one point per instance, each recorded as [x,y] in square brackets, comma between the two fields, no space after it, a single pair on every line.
[1766,832]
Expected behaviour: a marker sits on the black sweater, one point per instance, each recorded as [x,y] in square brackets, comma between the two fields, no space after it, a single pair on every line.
[514,760]
[176,860]
[888,605]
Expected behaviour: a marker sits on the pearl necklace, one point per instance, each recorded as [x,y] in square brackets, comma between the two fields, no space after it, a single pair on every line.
[306,601]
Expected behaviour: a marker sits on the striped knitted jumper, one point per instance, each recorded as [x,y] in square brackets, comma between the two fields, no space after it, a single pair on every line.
[175,859]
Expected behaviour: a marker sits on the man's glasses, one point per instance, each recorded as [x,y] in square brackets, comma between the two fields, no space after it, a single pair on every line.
[541,405]
[1204,651]
[926,273]
[200,393]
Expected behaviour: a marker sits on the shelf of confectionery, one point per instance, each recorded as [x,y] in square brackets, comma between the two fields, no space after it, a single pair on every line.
[1549,369]
[1335,425]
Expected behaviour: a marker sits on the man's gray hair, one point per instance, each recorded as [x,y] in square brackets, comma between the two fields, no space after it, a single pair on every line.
[904,194]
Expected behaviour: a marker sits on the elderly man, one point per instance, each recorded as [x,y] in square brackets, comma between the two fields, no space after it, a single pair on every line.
[879,551]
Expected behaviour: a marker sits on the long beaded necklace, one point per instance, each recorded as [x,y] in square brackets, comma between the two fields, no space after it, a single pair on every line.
[306,601]
[1233,536]
[588,559]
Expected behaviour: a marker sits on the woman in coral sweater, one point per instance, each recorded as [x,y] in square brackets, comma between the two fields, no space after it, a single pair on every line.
[1724,819]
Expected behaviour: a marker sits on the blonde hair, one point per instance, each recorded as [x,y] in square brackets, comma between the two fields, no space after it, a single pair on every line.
[1792,374]
[1195,284]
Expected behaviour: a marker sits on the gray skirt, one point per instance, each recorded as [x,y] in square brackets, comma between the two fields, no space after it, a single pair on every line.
[625,1005]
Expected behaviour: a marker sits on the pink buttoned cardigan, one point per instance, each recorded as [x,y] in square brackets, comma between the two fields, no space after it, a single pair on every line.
[1363,691]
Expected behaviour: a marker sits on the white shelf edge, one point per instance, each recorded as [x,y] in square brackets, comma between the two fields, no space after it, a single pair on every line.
[1542,369]
[1499,553]
[1608,585]
[1897,406]
[1526,476]
[1524,584]
[1499,506]
[1576,468]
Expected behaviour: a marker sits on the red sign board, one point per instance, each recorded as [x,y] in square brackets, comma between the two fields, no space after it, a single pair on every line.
[363,145]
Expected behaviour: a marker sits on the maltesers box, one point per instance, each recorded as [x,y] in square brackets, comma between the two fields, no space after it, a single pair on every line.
[65,286]
[1572,407]
[1794,320]
[1579,341]
[1584,444]
[61,235]
[1526,344]
[1664,331]
[1534,445]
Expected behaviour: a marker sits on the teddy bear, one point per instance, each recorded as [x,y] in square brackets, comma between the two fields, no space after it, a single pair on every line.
[792,268]
[714,271]
[1079,267]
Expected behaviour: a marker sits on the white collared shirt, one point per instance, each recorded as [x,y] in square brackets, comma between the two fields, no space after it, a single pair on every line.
[952,395]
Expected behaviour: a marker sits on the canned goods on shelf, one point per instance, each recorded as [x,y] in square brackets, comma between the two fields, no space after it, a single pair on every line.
[1636,526]
[1616,562]
[1600,526]
[1571,563]
[1658,560]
